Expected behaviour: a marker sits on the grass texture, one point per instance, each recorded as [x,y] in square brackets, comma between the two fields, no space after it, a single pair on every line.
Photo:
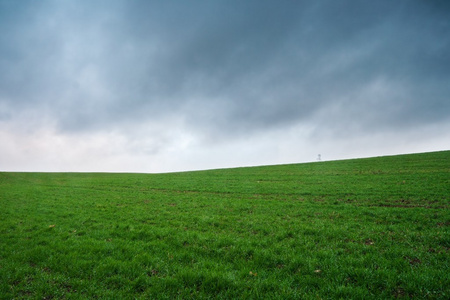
[362,229]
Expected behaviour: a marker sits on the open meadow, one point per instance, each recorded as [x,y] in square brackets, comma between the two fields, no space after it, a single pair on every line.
[364,228]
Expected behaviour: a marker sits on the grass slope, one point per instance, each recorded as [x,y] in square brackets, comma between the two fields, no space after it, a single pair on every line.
[366,228]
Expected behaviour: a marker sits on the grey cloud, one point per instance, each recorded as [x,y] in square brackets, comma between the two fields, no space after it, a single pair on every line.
[227,67]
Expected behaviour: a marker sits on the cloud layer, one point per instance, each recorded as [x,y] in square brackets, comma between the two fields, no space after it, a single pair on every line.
[155,86]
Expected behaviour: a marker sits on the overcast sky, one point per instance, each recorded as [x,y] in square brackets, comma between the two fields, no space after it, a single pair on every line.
[160,86]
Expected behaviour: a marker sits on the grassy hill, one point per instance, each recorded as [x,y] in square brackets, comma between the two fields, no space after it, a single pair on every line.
[365,228]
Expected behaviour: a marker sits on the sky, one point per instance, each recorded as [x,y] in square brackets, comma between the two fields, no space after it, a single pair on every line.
[163,86]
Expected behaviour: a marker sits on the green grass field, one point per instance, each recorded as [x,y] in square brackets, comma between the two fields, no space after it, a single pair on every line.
[365,228]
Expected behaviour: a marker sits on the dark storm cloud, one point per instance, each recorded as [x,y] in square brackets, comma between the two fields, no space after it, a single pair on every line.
[226,67]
